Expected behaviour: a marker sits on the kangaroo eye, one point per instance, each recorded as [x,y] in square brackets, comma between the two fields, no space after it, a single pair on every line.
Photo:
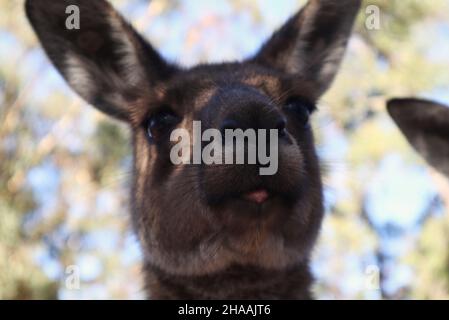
[300,109]
[160,124]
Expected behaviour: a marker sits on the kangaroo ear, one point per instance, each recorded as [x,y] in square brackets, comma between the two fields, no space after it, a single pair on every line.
[425,124]
[105,61]
[313,42]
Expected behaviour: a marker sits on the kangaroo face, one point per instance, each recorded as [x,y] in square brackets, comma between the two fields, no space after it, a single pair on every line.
[200,219]
[204,218]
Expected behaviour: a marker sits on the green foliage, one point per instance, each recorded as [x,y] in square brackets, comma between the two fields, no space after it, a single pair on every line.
[431,260]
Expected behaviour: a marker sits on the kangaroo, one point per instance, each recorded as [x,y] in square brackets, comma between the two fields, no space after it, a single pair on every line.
[425,124]
[211,231]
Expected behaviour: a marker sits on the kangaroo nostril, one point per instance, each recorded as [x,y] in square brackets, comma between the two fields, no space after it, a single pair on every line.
[282,128]
[228,124]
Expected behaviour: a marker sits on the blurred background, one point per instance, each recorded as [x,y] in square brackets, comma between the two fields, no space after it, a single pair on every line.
[65,168]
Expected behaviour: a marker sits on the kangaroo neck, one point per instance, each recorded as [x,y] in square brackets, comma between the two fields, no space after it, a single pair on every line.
[235,282]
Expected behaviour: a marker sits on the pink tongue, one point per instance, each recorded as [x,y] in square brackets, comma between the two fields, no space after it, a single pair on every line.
[259,196]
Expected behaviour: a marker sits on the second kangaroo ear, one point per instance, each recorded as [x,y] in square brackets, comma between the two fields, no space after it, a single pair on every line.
[104,60]
[425,124]
[313,42]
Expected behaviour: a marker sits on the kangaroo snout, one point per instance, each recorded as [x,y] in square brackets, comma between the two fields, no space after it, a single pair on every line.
[244,108]
[254,135]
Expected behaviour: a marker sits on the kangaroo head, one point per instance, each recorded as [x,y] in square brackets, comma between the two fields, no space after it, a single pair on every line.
[198,220]
[425,124]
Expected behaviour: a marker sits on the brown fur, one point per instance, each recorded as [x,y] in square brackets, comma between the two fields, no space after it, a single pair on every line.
[425,124]
[199,238]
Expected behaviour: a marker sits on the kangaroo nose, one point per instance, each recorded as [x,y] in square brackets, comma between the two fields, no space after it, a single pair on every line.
[254,116]
[241,107]
[229,124]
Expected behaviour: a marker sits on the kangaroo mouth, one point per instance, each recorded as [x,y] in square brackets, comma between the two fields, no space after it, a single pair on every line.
[248,192]
[258,196]
[251,200]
